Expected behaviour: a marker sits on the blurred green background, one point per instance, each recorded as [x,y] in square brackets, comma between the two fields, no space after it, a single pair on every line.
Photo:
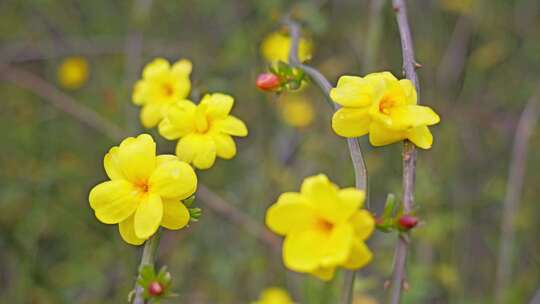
[481,63]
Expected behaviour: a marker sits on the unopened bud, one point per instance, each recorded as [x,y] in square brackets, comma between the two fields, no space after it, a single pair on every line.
[407,222]
[155,289]
[267,82]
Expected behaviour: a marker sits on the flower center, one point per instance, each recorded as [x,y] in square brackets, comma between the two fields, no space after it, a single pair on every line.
[386,104]
[168,89]
[142,187]
[324,225]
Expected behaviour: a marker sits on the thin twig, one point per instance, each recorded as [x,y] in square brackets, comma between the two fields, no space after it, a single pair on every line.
[514,186]
[60,100]
[359,165]
[234,215]
[409,152]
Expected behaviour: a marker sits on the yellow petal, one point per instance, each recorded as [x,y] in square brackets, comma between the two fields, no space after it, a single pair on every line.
[363,223]
[175,214]
[113,201]
[151,114]
[139,92]
[218,105]
[232,126]
[225,146]
[156,67]
[127,231]
[352,197]
[179,120]
[324,196]
[410,116]
[351,122]
[112,164]
[137,157]
[148,216]
[182,67]
[173,179]
[380,135]
[360,255]
[290,213]
[352,91]
[303,250]
[338,246]
[324,273]
[161,159]
[421,137]
[409,91]
[197,149]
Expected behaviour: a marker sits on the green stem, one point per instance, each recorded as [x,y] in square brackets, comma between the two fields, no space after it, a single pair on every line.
[148,258]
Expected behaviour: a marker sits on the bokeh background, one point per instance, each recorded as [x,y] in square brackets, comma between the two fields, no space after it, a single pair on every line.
[481,65]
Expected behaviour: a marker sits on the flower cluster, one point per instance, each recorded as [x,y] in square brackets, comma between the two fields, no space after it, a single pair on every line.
[324,227]
[144,192]
[384,107]
[204,130]
[161,86]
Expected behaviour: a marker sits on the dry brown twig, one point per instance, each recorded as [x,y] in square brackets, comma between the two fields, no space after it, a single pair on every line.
[409,152]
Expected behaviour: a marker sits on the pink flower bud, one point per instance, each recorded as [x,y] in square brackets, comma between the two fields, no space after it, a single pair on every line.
[155,289]
[267,82]
[407,222]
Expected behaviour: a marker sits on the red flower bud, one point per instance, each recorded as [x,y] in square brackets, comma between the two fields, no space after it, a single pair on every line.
[267,82]
[155,289]
[407,222]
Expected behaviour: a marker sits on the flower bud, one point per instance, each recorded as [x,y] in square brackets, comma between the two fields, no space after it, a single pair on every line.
[155,288]
[267,82]
[407,222]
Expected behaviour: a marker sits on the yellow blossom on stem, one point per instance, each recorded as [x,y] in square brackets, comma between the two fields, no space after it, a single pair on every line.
[161,86]
[323,226]
[204,130]
[384,107]
[73,72]
[275,47]
[274,295]
[296,110]
[144,192]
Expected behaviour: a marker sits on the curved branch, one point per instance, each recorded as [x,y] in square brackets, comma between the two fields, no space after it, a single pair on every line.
[359,165]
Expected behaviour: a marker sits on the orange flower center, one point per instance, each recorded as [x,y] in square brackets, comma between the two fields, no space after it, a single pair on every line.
[142,187]
[324,225]
[168,89]
[386,104]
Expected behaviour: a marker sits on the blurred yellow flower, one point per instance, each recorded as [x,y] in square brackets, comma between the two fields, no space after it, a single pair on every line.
[384,107]
[275,47]
[73,72]
[296,110]
[161,86]
[274,295]
[144,190]
[204,130]
[323,226]
[458,6]
[364,299]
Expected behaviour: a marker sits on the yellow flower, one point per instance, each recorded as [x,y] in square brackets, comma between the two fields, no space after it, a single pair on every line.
[204,130]
[144,190]
[73,72]
[384,107]
[275,47]
[274,295]
[323,227]
[161,86]
[296,110]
